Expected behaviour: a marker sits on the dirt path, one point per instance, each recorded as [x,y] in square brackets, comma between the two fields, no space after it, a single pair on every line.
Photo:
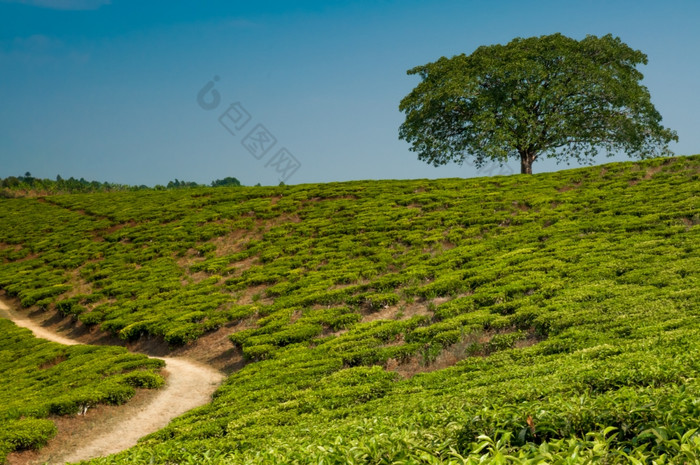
[189,385]
[25,322]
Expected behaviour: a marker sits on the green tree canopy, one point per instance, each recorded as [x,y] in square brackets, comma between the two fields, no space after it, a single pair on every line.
[227,181]
[549,96]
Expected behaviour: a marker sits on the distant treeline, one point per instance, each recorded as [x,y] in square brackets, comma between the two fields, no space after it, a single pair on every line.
[16,186]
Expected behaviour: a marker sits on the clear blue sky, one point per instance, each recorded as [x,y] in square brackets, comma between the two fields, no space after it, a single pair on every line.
[107,90]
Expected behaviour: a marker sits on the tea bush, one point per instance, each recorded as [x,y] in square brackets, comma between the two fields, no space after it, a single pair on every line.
[531,319]
[39,378]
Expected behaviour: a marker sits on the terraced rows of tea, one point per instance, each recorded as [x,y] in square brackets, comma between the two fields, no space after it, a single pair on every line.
[515,319]
[40,379]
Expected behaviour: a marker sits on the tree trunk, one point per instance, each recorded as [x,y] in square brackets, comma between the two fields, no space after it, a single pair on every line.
[526,161]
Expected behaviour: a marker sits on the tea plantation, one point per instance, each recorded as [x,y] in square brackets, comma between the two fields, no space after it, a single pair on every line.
[552,318]
[39,379]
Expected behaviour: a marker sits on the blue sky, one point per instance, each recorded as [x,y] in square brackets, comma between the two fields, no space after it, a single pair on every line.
[108,90]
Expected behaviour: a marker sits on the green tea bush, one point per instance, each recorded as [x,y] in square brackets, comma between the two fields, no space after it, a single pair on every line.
[538,290]
[24,434]
[39,378]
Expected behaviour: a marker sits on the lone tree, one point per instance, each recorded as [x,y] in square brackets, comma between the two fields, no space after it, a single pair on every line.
[549,96]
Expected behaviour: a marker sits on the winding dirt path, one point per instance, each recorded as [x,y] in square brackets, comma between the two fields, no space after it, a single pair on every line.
[188,385]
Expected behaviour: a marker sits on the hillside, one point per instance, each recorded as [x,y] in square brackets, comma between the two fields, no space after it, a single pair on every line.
[545,318]
[42,380]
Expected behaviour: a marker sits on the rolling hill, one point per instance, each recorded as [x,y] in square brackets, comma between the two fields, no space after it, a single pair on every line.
[522,319]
